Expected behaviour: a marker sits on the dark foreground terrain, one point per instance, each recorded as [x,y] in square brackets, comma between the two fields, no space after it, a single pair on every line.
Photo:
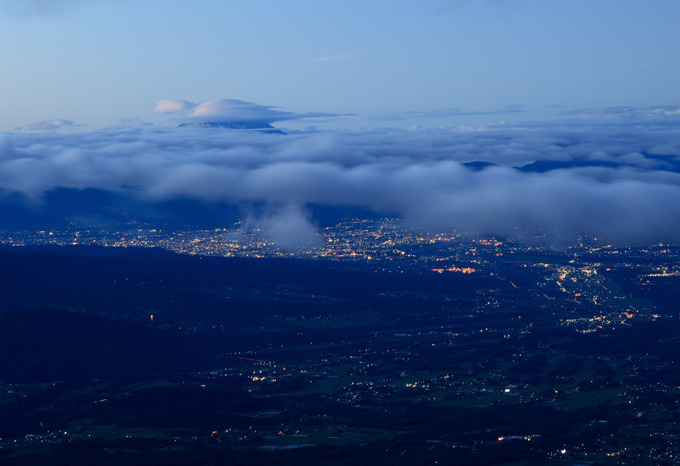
[124,356]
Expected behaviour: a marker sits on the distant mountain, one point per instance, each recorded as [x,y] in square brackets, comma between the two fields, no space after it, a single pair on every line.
[543,166]
[97,209]
[665,163]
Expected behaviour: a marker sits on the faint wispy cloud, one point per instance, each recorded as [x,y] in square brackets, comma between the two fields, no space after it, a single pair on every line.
[444,113]
[451,5]
[661,110]
[173,106]
[51,125]
[661,115]
[335,57]
[28,8]
[339,57]
[34,7]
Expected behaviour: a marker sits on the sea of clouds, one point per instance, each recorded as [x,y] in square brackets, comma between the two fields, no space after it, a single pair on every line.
[633,196]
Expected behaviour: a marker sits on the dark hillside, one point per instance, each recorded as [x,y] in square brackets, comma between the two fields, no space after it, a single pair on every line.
[49,345]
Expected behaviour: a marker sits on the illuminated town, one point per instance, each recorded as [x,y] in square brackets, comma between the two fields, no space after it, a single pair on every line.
[533,326]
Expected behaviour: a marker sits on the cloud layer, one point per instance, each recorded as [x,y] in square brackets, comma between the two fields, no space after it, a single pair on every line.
[623,186]
[50,125]
[24,8]
[230,111]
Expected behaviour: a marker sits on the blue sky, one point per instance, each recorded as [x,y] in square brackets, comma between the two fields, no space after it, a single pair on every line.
[392,63]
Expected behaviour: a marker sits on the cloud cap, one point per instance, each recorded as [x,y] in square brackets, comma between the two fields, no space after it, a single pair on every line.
[172,106]
[231,111]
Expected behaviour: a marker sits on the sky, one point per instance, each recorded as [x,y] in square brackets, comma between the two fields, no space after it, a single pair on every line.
[391,62]
[383,103]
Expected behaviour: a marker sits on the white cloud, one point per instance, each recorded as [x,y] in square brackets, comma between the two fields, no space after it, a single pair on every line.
[172,106]
[237,110]
[31,7]
[664,150]
[445,113]
[450,5]
[232,111]
[28,8]
[618,116]
[288,226]
[50,125]
[334,57]
[621,194]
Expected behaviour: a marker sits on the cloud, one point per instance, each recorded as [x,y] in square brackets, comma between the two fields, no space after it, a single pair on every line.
[445,113]
[335,57]
[28,8]
[50,125]
[31,8]
[237,110]
[124,123]
[451,5]
[172,106]
[288,226]
[7,150]
[647,116]
[620,185]
[339,57]
[243,114]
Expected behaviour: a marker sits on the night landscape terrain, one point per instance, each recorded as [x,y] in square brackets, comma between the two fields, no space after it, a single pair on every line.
[461,350]
[374,232]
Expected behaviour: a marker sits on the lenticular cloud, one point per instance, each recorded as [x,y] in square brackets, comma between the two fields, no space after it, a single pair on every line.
[230,111]
[622,186]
